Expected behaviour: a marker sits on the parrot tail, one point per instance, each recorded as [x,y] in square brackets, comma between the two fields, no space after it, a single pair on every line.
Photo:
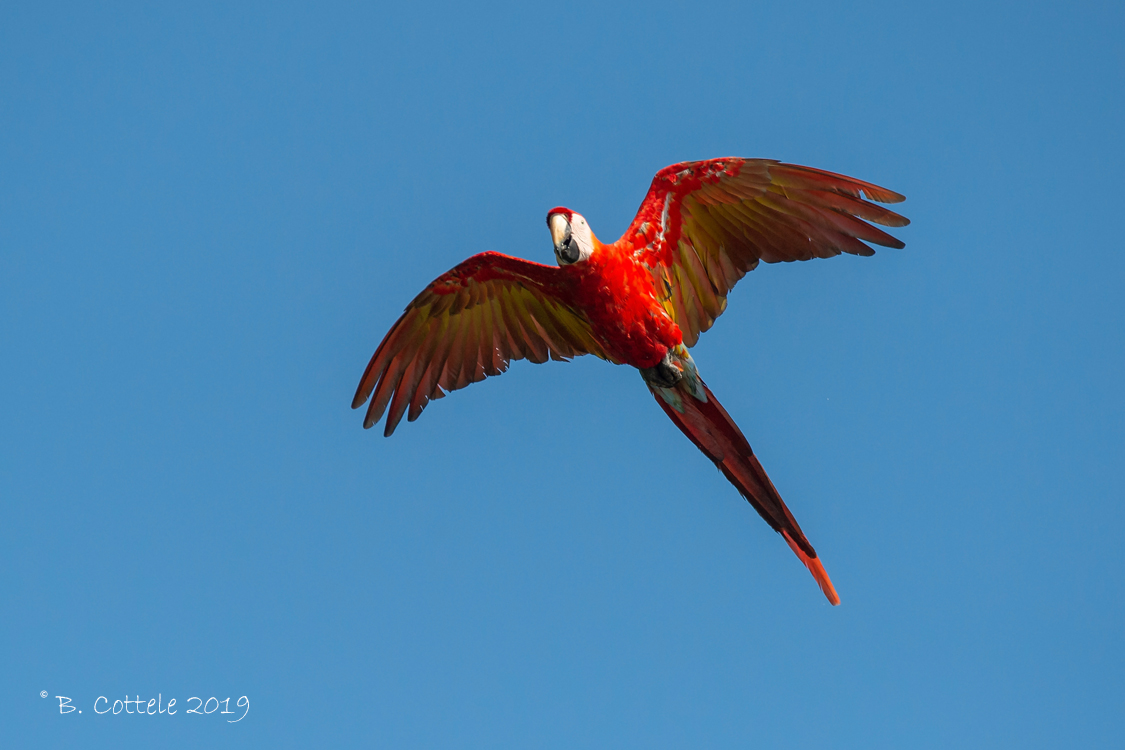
[699,415]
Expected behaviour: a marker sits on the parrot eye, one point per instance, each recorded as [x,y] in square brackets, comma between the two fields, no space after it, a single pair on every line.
[571,237]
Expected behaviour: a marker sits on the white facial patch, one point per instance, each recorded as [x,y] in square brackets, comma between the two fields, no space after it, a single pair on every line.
[581,233]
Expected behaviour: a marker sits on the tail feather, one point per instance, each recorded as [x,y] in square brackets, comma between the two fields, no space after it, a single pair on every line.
[816,568]
[700,416]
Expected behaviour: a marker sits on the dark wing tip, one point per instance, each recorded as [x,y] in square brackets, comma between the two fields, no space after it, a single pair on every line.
[896,220]
[370,378]
[881,195]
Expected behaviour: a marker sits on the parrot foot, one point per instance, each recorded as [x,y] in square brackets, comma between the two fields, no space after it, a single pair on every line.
[664,375]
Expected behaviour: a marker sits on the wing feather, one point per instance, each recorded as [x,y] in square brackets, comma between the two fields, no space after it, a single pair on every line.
[843,223]
[469,324]
[401,398]
[718,218]
[529,330]
[426,384]
[469,346]
[511,328]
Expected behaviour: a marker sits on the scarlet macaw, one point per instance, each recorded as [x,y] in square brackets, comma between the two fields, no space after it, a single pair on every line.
[641,301]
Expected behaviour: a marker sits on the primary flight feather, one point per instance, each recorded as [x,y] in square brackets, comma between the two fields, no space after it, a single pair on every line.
[641,301]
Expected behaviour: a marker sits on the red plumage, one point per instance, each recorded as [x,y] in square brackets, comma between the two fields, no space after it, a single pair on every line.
[639,301]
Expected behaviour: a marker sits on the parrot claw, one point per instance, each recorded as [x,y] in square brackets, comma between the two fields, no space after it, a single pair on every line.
[665,375]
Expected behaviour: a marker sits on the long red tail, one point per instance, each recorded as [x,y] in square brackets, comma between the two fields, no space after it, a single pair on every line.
[712,430]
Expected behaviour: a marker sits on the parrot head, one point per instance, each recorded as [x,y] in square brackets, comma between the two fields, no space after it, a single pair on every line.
[571,234]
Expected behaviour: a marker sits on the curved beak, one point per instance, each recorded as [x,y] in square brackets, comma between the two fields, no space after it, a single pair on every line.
[560,230]
[565,247]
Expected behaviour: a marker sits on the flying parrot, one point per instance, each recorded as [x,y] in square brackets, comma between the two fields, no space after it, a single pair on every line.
[641,301]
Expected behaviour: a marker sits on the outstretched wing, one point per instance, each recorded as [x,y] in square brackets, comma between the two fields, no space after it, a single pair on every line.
[469,324]
[705,224]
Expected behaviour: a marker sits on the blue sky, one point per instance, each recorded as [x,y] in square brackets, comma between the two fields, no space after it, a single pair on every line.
[210,216]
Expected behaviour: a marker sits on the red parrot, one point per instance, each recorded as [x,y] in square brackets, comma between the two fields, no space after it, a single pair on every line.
[641,301]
